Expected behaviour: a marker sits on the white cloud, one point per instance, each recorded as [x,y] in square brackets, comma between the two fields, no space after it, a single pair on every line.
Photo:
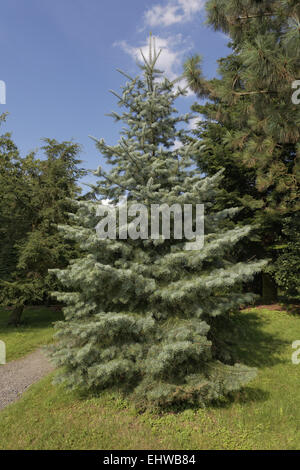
[194,122]
[177,145]
[106,202]
[173,51]
[169,60]
[172,12]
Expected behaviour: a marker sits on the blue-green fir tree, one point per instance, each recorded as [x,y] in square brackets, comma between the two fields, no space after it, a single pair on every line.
[141,313]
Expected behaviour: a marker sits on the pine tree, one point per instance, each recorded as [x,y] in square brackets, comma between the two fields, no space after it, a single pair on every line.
[141,313]
[252,112]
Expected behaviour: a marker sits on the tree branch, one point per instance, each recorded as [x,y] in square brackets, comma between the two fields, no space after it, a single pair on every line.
[243,93]
[249,17]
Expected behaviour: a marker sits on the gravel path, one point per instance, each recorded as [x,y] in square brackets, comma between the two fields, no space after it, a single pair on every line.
[17,376]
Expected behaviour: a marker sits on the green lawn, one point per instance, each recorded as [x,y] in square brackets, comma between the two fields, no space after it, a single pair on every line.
[36,330]
[266,415]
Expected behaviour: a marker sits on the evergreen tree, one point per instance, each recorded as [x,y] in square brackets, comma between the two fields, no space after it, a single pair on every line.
[35,199]
[253,116]
[14,200]
[15,208]
[141,313]
[286,268]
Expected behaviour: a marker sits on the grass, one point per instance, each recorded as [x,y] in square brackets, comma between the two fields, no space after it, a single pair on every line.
[36,330]
[265,415]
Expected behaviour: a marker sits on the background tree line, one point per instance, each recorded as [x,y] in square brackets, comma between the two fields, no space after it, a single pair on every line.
[35,196]
[251,127]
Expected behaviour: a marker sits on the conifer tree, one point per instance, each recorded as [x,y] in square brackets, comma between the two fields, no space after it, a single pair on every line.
[33,199]
[141,313]
[252,112]
[14,199]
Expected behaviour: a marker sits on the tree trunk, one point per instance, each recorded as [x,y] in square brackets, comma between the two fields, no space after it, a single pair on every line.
[15,316]
[269,289]
[254,286]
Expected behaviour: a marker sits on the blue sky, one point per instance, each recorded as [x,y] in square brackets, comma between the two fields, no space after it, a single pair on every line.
[59,60]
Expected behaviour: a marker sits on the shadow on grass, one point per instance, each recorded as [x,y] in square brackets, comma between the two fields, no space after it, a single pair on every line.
[246,395]
[252,345]
[293,309]
[249,344]
[33,317]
